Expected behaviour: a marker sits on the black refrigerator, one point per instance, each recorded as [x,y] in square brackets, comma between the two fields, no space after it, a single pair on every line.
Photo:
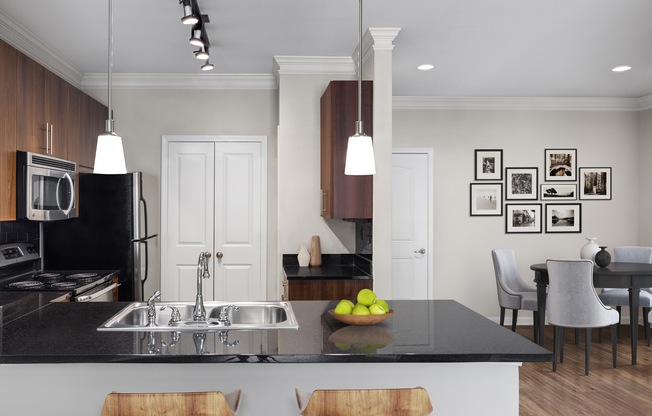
[110,232]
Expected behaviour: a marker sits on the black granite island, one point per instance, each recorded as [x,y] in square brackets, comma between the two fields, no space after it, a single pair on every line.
[441,345]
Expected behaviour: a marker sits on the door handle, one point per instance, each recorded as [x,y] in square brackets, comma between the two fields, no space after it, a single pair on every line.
[219,254]
[421,251]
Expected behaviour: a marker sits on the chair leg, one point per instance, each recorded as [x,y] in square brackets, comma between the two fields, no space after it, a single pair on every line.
[646,325]
[577,336]
[562,333]
[614,343]
[600,335]
[502,316]
[514,318]
[587,351]
[535,316]
[555,347]
[619,309]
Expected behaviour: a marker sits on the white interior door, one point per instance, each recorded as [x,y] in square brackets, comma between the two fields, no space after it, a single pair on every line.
[238,214]
[411,225]
[213,198]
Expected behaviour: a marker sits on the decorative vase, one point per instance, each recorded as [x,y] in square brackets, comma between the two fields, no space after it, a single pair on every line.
[315,251]
[589,249]
[303,256]
[602,257]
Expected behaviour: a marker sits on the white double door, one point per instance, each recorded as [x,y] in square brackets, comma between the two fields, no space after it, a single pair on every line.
[214,200]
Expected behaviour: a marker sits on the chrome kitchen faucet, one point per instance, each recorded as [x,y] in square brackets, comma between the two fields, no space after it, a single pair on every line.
[199,312]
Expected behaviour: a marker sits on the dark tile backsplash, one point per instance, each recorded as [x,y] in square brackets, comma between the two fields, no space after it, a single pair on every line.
[19,232]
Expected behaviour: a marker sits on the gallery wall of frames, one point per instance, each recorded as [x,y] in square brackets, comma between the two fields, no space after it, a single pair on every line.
[534,200]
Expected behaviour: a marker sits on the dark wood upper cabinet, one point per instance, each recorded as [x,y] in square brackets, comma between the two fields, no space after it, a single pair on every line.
[344,197]
[8,91]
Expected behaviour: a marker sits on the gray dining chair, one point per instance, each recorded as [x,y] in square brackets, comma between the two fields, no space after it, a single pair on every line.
[513,292]
[573,303]
[620,297]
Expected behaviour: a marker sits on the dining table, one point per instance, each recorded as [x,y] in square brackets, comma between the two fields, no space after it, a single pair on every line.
[632,276]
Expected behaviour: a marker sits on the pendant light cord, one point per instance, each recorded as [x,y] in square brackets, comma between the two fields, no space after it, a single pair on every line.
[110,69]
[360,66]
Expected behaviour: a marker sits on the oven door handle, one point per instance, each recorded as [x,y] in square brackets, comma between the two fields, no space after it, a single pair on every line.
[88,298]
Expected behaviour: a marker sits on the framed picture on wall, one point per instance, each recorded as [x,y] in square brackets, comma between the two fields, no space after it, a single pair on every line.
[560,165]
[563,218]
[523,218]
[595,183]
[488,164]
[559,191]
[521,183]
[486,199]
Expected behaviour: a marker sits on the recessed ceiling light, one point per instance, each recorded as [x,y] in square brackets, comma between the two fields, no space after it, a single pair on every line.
[425,67]
[622,68]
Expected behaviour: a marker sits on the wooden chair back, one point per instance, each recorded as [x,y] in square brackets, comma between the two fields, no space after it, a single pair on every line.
[212,403]
[404,402]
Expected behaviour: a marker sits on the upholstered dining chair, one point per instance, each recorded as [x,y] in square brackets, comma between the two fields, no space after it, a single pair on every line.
[573,303]
[513,292]
[620,297]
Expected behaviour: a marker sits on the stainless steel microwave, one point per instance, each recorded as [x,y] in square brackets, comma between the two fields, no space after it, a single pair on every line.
[45,187]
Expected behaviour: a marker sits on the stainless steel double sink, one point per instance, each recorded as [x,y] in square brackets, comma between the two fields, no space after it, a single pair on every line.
[246,316]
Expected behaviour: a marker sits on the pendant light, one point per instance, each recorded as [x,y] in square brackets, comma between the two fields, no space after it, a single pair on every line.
[109,156]
[360,151]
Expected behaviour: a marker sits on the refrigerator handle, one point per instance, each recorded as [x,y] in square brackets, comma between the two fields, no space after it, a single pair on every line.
[145,216]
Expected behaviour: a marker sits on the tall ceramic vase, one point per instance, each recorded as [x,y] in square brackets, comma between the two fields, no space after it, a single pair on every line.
[315,251]
[589,249]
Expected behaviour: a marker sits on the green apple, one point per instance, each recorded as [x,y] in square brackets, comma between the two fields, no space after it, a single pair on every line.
[377,309]
[344,308]
[348,302]
[366,297]
[383,304]
[360,309]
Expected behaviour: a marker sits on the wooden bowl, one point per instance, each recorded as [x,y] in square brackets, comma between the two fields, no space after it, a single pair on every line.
[361,319]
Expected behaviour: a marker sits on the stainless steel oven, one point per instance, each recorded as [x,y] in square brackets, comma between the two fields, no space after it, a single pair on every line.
[45,187]
[19,271]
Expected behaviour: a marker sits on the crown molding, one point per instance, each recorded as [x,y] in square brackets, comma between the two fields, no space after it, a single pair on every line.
[518,103]
[23,40]
[181,81]
[645,102]
[313,65]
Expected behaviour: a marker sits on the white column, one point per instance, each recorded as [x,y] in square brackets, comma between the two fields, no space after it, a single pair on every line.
[378,45]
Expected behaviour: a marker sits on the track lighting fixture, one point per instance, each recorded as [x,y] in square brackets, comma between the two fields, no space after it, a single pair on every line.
[198,36]
[189,15]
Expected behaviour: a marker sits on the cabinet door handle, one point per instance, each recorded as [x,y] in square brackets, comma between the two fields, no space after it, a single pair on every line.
[52,139]
[47,138]
[324,208]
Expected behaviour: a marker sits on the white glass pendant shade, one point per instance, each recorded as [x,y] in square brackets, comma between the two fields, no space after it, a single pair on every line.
[109,156]
[360,156]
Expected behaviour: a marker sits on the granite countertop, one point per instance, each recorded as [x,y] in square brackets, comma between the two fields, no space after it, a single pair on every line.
[418,331]
[334,266]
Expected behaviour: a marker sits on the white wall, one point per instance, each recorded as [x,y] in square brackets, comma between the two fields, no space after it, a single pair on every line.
[143,116]
[463,270]
[644,177]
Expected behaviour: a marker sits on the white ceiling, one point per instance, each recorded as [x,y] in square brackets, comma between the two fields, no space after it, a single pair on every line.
[480,48]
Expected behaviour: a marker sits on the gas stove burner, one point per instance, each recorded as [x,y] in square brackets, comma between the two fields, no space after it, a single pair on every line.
[83,277]
[26,284]
[63,285]
[48,277]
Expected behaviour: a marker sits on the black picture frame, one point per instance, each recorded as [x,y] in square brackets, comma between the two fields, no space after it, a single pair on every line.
[558,192]
[486,199]
[521,184]
[488,164]
[560,165]
[523,218]
[564,218]
[595,183]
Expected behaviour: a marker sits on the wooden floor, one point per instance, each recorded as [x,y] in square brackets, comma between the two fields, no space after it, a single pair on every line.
[625,390]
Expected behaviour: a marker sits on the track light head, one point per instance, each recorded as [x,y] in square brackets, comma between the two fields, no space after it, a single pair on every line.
[202,53]
[189,16]
[196,36]
[207,66]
